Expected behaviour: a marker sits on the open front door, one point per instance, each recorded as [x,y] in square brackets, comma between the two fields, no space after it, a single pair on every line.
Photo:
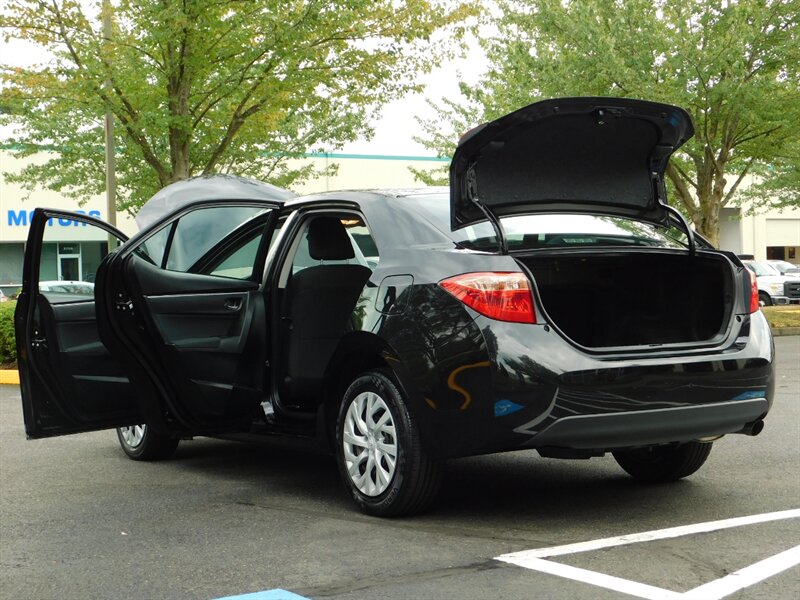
[69,380]
[183,307]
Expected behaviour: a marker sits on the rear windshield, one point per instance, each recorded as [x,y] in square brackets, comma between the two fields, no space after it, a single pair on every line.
[549,231]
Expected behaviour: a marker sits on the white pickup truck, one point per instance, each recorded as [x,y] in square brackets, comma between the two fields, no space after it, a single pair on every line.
[774,288]
[785,268]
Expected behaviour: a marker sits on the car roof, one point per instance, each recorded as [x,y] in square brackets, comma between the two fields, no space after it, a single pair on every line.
[362,193]
[206,187]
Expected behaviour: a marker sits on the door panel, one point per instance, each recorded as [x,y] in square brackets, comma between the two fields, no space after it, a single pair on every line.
[83,369]
[69,380]
[202,321]
[196,338]
[195,345]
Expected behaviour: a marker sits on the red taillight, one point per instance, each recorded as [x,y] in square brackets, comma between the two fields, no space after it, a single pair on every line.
[754,303]
[501,296]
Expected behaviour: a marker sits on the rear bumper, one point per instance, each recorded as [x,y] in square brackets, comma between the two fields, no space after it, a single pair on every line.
[533,389]
[645,427]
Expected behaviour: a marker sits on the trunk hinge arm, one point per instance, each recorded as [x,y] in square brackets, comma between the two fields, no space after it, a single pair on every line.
[661,193]
[682,221]
[472,194]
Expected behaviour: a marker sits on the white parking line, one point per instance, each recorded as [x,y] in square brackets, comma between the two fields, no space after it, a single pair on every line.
[747,576]
[649,536]
[534,559]
[617,584]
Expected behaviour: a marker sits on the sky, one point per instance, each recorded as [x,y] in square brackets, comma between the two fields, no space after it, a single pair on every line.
[395,125]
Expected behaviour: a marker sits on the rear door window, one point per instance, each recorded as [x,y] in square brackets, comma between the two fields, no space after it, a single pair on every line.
[199,231]
[222,241]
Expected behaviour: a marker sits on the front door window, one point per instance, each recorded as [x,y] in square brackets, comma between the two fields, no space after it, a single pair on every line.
[72,250]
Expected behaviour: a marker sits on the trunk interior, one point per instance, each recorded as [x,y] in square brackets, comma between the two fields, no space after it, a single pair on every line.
[634,298]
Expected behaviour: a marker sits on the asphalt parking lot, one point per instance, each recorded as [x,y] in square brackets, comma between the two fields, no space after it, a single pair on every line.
[80,520]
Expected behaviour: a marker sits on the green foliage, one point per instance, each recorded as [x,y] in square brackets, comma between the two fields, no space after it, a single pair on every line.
[780,189]
[733,64]
[209,86]
[8,347]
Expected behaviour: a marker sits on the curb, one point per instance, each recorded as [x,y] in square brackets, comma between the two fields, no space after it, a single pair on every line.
[11,376]
[786,331]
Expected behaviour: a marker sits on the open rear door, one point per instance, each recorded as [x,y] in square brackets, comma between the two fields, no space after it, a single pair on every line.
[183,307]
[69,380]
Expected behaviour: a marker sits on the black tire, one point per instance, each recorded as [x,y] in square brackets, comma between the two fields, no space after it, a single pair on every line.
[659,464]
[764,299]
[146,446]
[415,479]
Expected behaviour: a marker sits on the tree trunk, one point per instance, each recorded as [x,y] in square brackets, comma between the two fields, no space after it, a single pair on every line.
[703,209]
[709,223]
[179,157]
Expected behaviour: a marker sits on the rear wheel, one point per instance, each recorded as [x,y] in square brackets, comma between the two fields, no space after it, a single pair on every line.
[381,459]
[140,442]
[659,464]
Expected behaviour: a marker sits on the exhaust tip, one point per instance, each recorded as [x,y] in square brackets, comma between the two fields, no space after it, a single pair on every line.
[753,428]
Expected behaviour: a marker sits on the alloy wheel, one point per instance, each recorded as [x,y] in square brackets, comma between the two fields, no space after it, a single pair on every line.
[132,436]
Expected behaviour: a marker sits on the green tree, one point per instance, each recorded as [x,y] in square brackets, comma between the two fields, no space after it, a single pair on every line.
[203,86]
[733,64]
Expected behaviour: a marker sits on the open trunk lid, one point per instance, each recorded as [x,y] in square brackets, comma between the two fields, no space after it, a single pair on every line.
[597,155]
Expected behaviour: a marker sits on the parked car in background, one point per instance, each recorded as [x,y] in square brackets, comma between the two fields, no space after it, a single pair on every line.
[773,288]
[3,297]
[549,300]
[66,291]
[784,267]
[78,288]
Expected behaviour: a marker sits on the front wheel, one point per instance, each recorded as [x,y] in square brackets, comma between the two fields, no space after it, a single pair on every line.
[764,299]
[660,464]
[378,449]
[140,442]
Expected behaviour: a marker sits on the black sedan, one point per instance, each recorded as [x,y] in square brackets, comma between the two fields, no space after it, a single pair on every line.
[550,299]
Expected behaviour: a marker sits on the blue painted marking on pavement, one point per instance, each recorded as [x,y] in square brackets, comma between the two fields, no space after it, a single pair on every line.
[506,407]
[276,594]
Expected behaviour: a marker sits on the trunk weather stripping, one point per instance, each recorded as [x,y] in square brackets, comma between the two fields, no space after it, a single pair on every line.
[472,195]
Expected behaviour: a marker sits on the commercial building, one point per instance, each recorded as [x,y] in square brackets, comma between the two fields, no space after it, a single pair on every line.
[765,235]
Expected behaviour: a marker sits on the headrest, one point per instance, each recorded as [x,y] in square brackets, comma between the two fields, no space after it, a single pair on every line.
[328,240]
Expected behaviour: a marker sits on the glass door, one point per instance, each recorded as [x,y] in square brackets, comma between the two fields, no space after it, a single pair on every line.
[69,267]
[69,262]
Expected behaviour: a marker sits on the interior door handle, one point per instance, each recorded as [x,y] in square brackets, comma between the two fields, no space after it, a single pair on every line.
[233,303]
